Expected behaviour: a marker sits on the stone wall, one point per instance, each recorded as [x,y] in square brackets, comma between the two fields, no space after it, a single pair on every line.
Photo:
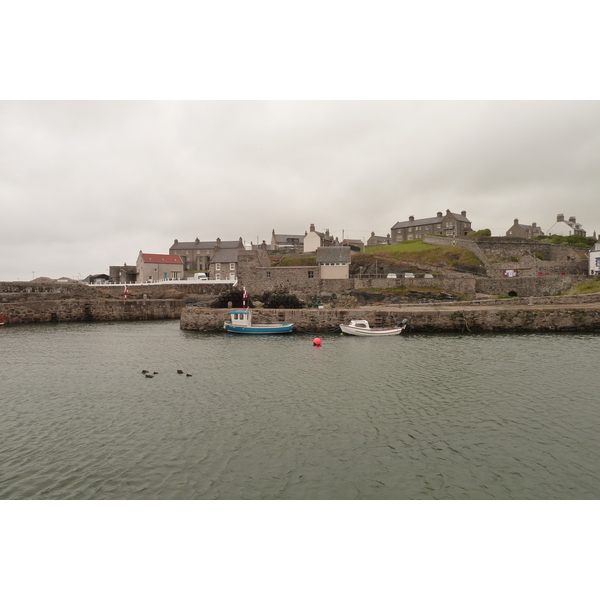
[46,311]
[500,253]
[464,285]
[447,319]
[527,286]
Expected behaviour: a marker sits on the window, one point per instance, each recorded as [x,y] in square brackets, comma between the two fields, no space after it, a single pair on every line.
[311,274]
[218,266]
[218,276]
[232,266]
[268,273]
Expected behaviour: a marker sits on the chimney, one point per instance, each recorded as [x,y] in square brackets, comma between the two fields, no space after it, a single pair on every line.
[534,225]
[372,233]
[312,226]
[411,218]
[197,241]
[447,211]
[439,215]
[560,218]
[516,221]
[176,241]
[327,232]
[572,220]
[463,213]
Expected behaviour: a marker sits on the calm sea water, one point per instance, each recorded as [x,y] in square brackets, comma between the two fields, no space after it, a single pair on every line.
[416,417]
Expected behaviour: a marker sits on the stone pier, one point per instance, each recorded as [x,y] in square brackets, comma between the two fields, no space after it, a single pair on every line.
[454,318]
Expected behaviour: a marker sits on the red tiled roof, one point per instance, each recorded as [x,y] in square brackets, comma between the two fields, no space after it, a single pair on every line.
[171,259]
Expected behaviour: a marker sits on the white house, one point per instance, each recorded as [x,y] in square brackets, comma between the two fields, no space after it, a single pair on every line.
[595,259]
[315,239]
[562,227]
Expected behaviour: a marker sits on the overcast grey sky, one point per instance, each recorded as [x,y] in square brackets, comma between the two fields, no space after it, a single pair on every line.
[85,185]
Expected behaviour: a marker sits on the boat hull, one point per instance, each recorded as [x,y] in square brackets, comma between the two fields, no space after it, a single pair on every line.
[259,329]
[350,330]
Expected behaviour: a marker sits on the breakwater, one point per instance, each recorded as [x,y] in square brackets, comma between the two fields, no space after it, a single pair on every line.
[90,309]
[457,318]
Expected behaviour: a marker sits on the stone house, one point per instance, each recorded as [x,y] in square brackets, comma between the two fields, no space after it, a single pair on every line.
[450,225]
[285,241]
[524,231]
[158,267]
[315,239]
[334,262]
[224,264]
[378,240]
[197,255]
[595,259]
[229,263]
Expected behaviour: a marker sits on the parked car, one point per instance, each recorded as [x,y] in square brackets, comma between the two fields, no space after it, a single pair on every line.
[200,276]
[409,275]
[428,276]
[391,276]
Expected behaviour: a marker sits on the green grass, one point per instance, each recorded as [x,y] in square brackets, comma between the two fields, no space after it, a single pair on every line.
[293,261]
[417,251]
[586,287]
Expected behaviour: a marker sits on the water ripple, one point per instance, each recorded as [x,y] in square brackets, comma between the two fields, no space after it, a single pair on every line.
[423,417]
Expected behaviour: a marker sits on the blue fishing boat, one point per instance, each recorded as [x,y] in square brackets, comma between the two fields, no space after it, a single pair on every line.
[241,322]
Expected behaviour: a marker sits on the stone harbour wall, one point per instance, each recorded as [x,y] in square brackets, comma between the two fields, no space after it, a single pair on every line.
[438,319]
[49,311]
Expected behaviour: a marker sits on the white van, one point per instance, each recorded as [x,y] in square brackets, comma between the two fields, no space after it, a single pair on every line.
[391,276]
[200,277]
[409,275]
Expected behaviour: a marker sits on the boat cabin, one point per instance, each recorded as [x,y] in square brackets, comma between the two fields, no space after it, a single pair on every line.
[241,318]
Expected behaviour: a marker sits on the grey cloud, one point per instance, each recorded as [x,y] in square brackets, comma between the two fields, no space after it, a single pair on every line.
[88,184]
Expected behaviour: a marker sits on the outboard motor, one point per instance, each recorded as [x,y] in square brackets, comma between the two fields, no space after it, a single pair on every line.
[404,324]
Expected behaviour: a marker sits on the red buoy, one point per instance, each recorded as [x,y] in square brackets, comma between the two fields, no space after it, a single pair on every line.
[317,342]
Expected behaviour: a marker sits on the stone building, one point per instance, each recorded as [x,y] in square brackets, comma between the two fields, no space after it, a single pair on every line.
[524,231]
[125,274]
[158,267]
[334,262]
[378,240]
[355,245]
[285,241]
[562,227]
[227,263]
[315,239]
[197,255]
[450,224]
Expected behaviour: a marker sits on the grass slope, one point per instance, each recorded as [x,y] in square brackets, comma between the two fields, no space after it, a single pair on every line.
[417,251]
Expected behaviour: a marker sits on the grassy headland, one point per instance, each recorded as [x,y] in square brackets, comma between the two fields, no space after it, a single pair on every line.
[449,257]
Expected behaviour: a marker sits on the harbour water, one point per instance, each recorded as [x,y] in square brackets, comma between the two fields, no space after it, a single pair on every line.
[511,416]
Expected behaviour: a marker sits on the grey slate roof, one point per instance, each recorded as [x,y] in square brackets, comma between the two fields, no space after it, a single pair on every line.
[333,254]
[226,255]
[203,245]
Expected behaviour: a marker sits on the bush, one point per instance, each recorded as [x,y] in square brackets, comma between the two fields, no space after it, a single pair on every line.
[233,295]
[280,298]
